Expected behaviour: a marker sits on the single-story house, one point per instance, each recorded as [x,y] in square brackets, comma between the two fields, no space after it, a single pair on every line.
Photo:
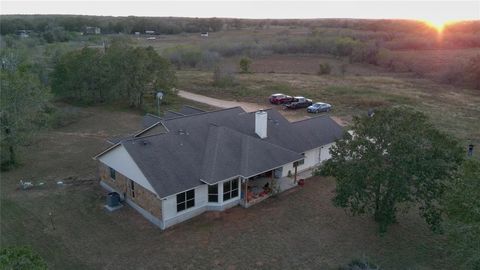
[92,30]
[188,162]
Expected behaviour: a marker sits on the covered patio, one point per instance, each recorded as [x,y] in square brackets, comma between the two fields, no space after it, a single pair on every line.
[262,186]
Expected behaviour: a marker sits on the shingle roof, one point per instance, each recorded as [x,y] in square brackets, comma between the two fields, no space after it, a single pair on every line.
[189,110]
[150,119]
[171,115]
[214,146]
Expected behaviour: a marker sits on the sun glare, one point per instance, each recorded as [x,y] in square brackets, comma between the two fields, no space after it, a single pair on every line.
[437,24]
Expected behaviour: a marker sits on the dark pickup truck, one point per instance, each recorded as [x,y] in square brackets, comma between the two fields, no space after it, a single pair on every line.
[299,102]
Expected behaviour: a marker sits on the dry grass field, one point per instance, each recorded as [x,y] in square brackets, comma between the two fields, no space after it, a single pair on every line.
[451,109]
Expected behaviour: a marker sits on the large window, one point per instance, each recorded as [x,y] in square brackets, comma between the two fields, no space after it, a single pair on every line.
[213,193]
[112,174]
[230,189]
[185,200]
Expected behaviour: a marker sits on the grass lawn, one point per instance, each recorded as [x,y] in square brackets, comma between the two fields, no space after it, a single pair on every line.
[299,229]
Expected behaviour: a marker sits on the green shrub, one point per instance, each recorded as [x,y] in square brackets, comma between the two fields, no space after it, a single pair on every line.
[324,69]
[21,258]
[245,65]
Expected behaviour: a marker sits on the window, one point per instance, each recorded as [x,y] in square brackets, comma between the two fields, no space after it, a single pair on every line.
[112,174]
[213,193]
[230,189]
[300,162]
[132,189]
[185,200]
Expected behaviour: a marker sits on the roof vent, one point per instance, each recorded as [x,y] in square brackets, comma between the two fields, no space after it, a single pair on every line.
[182,132]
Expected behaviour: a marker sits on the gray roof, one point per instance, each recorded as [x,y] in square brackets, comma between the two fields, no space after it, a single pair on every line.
[214,146]
[189,110]
[171,115]
[150,119]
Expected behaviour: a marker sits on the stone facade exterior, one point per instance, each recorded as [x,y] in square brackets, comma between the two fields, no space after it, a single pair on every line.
[139,195]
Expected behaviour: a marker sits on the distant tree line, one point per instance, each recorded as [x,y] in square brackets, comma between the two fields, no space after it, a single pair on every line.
[395,34]
[117,73]
[109,25]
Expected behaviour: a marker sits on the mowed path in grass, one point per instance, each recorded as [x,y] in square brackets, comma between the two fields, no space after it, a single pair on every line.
[296,230]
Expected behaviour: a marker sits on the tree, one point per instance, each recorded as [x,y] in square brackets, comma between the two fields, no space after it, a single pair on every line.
[324,69]
[23,100]
[21,258]
[78,76]
[395,159]
[462,210]
[121,72]
[245,65]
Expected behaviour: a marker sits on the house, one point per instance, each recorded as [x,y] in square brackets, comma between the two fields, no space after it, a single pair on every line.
[91,30]
[204,34]
[149,32]
[23,33]
[188,162]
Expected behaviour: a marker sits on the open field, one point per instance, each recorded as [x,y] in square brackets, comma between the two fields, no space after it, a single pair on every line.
[300,229]
[67,225]
[451,109]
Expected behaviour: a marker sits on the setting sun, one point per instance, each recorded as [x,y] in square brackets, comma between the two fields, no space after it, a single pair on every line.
[438,24]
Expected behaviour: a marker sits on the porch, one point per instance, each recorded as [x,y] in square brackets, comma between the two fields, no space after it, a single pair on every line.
[260,187]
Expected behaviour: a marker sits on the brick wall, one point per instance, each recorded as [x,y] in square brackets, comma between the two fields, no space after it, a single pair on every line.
[143,197]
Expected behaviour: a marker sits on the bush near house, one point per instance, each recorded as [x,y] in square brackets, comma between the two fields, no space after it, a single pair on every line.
[21,258]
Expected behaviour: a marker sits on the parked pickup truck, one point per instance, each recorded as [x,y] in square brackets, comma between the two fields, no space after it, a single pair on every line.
[280,99]
[299,102]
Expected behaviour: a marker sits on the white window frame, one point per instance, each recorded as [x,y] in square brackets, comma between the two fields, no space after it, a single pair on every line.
[186,200]
[231,191]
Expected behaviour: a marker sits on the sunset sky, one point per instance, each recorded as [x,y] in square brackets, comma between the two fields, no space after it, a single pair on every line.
[437,11]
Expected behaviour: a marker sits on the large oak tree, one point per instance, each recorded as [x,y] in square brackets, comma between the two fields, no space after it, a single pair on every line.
[394,160]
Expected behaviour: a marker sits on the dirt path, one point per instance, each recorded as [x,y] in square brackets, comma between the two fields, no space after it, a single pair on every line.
[247,106]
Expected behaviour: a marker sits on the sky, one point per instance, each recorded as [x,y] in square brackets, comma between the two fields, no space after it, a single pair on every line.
[437,11]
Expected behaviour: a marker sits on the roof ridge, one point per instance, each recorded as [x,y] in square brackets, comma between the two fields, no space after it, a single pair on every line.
[213,134]
[147,136]
[244,158]
[153,115]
